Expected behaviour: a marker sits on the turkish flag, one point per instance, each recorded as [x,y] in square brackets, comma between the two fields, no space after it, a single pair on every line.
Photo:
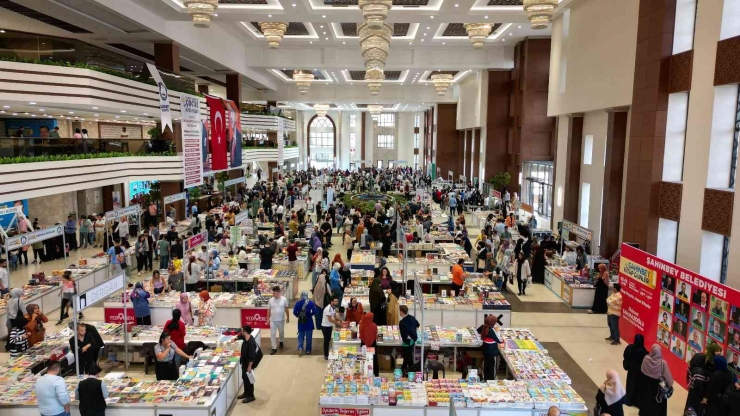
[219,160]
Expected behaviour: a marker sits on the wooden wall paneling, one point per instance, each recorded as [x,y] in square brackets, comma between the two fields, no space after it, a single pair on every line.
[497,122]
[611,206]
[572,191]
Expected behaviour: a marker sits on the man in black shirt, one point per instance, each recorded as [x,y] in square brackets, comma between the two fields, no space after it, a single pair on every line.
[91,393]
[326,232]
[266,254]
[249,361]
[171,234]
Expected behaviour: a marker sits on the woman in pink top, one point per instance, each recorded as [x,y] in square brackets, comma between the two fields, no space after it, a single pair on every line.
[185,308]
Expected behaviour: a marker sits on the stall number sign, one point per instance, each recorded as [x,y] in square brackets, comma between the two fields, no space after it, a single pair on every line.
[241,217]
[99,292]
[34,237]
[123,212]
[577,230]
[196,240]
[336,411]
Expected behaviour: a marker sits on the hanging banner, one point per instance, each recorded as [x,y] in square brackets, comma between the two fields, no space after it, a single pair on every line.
[241,217]
[678,309]
[235,181]
[164,98]
[195,241]
[281,141]
[234,133]
[219,160]
[205,131]
[174,198]
[19,241]
[192,161]
[124,212]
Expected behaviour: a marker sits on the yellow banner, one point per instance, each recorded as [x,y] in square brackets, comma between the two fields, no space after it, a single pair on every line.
[637,272]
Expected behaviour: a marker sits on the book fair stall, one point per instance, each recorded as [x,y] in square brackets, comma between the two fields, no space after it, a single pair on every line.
[537,383]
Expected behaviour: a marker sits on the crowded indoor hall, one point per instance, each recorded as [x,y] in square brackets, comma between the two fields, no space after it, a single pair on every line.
[369,207]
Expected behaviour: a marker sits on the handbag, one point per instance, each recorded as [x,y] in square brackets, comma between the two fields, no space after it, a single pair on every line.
[664,391]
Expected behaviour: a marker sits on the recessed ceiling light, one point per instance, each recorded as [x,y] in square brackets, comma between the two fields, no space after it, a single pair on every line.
[6,106]
[33,115]
[327,38]
[146,114]
[510,33]
[32,103]
[344,43]
[15,114]
[324,33]
[428,28]
[411,43]
[457,5]
[323,16]
[485,17]
[444,43]
[293,4]
[123,111]
[269,15]
[520,27]
[82,119]
[2,31]
[97,119]
[71,112]
[422,40]
[95,108]
[26,113]
[311,42]
[2,111]
[118,116]
[41,109]
[96,115]
[431,17]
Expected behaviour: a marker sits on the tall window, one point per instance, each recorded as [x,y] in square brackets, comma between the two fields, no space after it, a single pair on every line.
[353,120]
[386,141]
[416,161]
[322,133]
[417,120]
[380,164]
[416,140]
[387,120]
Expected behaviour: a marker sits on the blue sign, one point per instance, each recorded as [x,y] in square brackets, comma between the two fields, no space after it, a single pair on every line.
[32,127]
[6,219]
[139,187]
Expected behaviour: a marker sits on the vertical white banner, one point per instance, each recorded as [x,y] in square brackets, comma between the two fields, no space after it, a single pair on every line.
[281,141]
[192,161]
[164,98]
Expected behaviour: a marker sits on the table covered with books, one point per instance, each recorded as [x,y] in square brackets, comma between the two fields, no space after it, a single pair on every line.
[567,283]
[207,387]
[349,388]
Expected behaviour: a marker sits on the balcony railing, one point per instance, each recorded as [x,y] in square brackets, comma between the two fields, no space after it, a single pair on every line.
[42,149]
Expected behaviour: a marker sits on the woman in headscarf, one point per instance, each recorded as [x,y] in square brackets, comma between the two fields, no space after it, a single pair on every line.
[720,379]
[15,307]
[632,362]
[713,350]
[140,300]
[354,311]
[305,310]
[186,309]
[378,303]
[610,396]
[35,326]
[491,340]
[335,281]
[653,368]
[538,265]
[602,291]
[522,272]
[206,309]
[392,314]
[697,379]
[321,294]
[368,335]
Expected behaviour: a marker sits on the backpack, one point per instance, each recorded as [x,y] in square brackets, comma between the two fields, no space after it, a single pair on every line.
[302,316]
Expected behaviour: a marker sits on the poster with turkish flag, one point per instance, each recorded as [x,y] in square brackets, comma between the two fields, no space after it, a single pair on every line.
[678,309]
[219,160]
[234,133]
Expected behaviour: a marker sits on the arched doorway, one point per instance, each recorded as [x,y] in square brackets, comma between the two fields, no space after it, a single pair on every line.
[322,140]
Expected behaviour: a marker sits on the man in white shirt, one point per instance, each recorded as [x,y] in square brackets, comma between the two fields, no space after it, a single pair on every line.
[4,279]
[279,211]
[203,256]
[51,393]
[277,316]
[328,321]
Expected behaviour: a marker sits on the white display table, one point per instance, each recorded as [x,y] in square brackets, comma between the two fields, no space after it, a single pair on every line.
[575,297]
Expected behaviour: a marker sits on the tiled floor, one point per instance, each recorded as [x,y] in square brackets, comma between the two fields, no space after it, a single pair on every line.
[289,385]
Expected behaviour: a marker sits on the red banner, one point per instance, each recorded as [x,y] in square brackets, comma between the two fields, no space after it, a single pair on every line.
[255,317]
[678,309]
[336,411]
[219,160]
[115,316]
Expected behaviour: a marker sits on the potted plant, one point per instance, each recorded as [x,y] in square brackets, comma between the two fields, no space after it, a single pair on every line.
[500,180]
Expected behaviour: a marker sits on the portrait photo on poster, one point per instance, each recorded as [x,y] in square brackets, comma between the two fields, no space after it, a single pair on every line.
[666,301]
[677,347]
[717,329]
[696,339]
[701,300]
[733,338]
[735,317]
[664,337]
[680,328]
[732,361]
[719,308]
[665,319]
[682,310]
[668,283]
[684,291]
[698,319]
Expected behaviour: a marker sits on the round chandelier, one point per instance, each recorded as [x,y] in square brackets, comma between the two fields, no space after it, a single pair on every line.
[540,12]
[201,11]
[441,82]
[274,32]
[478,33]
[375,110]
[375,11]
[321,109]
[303,81]
[374,44]
[374,78]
